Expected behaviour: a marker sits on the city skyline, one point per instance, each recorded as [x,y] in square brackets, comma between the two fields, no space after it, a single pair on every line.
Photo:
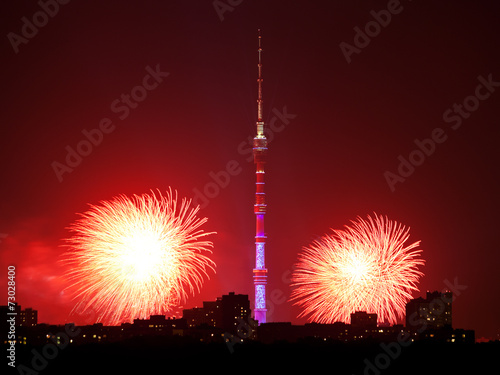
[398,119]
[232,315]
[225,328]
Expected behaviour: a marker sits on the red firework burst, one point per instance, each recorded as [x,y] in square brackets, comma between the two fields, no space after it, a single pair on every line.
[133,257]
[366,267]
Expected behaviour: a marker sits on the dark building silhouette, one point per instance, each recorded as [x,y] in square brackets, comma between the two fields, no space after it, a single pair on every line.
[226,313]
[194,317]
[430,319]
[210,314]
[213,312]
[277,331]
[361,319]
[235,311]
[447,334]
[159,324]
[28,317]
[335,331]
[286,331]
[363,325]
[23,318]
[434,310]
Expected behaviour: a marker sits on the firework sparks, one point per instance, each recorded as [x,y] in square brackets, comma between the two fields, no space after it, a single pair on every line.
[133,257]
[366,267]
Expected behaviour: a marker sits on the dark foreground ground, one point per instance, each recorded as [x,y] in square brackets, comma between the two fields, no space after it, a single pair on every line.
[156,355]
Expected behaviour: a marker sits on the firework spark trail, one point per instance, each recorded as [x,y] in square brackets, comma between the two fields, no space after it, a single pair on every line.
[133,257]
[366,267]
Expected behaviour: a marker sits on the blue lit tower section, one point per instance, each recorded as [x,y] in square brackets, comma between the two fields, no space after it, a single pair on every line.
[259,157]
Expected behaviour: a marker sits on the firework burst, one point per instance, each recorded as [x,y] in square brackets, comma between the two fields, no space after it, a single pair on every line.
[131,257]
[366,267]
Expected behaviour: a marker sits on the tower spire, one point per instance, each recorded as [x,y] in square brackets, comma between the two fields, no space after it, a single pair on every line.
[259,81]
[260,207]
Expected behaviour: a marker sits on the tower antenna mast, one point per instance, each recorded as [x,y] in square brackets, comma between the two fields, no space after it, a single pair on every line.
[260,207]
[259,81]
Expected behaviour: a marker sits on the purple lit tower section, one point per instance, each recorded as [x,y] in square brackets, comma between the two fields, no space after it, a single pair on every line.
[259,157]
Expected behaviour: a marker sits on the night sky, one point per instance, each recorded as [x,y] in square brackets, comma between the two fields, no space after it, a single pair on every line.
[345,120]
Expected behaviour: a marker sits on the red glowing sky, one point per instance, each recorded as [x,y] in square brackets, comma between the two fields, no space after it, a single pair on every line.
[326,165]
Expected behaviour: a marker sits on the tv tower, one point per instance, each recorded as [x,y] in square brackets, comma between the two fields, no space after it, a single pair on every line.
[259,158]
